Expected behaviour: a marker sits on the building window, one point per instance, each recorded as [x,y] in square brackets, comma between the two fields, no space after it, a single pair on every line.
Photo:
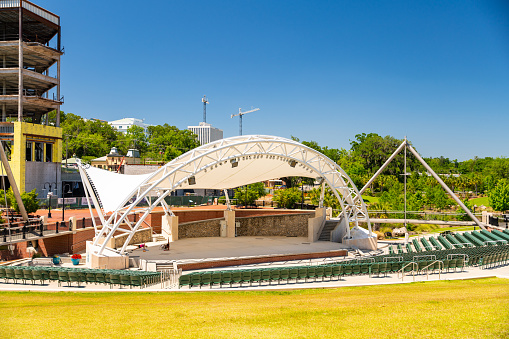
[29,151]
[39,151]
[49,152]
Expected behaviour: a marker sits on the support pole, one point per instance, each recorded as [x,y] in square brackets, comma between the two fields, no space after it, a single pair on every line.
[384,166]
[405,180]
[20,65]
[228,206]
[322,195]
[14,186]
[446,188]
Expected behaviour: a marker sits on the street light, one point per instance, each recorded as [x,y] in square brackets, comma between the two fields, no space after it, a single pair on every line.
[63,199]
[50,194]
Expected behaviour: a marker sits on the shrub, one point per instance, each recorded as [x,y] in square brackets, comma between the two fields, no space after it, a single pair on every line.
[286,198]
[29,201]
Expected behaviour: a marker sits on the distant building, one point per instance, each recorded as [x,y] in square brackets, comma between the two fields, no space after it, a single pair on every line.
[124,124]
[113,160]
[206,133]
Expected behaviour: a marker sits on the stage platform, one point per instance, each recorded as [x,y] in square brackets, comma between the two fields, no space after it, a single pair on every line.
[201,253]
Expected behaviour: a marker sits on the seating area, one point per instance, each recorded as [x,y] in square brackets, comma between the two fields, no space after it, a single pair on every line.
[70,275]
[418,262]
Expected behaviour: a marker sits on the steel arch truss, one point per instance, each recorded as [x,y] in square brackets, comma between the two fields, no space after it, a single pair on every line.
[229,163]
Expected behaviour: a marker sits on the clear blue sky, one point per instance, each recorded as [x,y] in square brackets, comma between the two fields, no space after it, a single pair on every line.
[436,71]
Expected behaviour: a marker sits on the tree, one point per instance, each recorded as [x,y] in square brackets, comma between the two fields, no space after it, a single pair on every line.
[248,195]
[29,201]
[286,198]
[168,142]
[87,138]
[499,196]
[136,138]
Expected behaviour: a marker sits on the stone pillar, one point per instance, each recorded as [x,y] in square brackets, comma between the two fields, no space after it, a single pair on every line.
[229,217]
[170,227]
[72,220]
[315,224]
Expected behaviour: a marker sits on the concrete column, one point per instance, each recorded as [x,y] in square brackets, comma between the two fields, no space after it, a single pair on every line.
[229,217]
[73,221]
[170,227]
[315,224]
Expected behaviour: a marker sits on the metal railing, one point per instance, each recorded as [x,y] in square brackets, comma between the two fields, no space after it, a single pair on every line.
[415,268]
[399,258]
[430,256]
[433,265]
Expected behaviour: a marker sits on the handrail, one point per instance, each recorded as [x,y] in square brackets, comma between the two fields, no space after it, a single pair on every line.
[399,258]
[415,267]
[431,256]
[495,241]
[465,256]
[433,264]
[466,244]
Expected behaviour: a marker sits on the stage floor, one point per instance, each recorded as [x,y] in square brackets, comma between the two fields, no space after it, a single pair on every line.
[196,249]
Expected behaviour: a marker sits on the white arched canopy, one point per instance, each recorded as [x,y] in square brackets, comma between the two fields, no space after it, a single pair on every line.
[222,164]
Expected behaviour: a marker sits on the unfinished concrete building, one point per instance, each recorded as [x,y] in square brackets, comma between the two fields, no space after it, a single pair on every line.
[30,51]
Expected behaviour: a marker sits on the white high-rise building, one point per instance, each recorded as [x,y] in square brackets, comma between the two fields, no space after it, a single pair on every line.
[123,125]
[206,133]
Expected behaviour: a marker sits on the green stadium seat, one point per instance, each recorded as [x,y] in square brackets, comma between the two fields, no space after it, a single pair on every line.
[185,280]
[256,276]
[216,279]
[63,276]
[284,274]
[226,278]
[114,280]
[275,275]
[206,279]
[245,277]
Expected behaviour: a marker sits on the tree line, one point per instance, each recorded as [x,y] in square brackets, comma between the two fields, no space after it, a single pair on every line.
[88,139]
[368,152]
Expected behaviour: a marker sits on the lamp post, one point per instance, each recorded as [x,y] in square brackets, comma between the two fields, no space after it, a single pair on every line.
[50,194]
[63,199]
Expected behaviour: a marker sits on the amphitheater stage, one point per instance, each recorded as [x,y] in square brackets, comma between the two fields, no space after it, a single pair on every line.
[201,253]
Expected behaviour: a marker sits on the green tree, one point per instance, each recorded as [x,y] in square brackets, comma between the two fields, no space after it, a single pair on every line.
[499,196]
[134,138]
[87,138]
[168,142]
[248,195]
[29,201]
[286,198]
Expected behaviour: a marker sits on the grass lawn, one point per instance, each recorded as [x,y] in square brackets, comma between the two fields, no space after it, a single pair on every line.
[368,200]
[480,201]
[444,309]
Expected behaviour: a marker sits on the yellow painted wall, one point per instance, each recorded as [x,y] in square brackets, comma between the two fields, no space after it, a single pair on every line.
[24,131]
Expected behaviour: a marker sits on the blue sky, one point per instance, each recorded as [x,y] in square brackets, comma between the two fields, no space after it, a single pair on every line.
[435,71]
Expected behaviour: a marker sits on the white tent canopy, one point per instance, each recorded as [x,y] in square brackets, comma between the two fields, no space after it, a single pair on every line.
[222,164]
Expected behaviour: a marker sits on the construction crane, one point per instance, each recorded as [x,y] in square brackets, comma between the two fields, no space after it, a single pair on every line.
[240,117]
[205,102]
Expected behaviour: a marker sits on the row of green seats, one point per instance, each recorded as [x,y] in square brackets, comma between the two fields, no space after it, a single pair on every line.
[494,260]
[111,277]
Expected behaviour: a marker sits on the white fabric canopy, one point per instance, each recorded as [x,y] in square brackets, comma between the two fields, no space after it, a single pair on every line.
[112,188]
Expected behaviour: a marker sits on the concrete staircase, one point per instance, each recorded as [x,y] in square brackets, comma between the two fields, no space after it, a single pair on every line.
[329,226]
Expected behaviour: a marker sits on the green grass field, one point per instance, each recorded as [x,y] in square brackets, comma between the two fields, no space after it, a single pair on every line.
[444,309]
[480,201]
